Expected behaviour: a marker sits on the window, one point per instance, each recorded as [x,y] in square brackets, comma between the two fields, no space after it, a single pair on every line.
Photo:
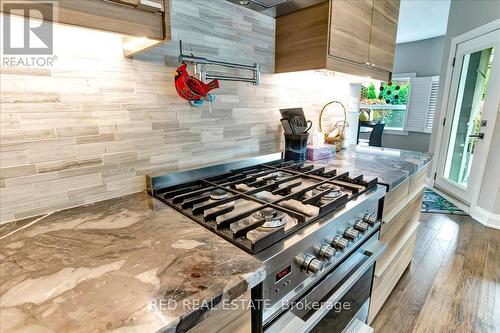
[405,104]
[387,103]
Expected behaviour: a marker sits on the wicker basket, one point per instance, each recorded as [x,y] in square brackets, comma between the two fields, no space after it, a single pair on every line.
[337,140]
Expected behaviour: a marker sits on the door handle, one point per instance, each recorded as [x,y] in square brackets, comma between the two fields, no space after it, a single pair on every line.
[479,136]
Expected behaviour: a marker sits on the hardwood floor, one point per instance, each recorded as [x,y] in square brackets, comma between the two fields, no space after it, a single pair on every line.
[452,284]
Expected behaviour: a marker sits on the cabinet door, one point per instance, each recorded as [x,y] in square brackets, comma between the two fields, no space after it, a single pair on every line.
[383,34]
[350,23]
[133,3]
[302,39]
[149,5]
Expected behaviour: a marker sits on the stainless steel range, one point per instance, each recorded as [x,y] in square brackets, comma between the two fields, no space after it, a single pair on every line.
[315,229]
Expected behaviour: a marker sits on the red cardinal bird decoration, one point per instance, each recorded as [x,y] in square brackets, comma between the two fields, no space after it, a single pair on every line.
[192,89]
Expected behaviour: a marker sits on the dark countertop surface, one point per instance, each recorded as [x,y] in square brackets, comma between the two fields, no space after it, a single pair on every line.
[129,264]
[391,166]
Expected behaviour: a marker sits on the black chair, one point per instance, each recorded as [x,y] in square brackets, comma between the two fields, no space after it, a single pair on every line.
[376,134]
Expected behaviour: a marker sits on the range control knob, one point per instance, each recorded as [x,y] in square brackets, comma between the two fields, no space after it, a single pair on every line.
[310,264]
[314,266]
[370,219]
[361,226]
[325,251]
[340,243]
[351,233]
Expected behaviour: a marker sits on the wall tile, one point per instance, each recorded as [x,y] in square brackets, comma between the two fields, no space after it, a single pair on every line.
[17,171]
[63,165]
[93,125]
[64,185]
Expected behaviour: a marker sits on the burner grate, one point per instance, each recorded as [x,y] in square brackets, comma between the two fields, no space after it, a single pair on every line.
[228,202]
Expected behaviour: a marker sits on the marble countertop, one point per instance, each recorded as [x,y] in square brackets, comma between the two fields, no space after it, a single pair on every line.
[129,264]
[133,264]
[390,166]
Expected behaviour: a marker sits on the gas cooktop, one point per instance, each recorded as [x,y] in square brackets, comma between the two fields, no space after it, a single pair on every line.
[256,206]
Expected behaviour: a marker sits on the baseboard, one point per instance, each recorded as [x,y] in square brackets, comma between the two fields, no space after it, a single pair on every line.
[479,214]
[451,199]
[485,217]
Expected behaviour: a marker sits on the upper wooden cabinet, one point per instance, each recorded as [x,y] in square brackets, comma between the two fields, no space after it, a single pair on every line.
[350,25]
[144,23]
[300,40]
[383,34]
[149,5]
[356,37]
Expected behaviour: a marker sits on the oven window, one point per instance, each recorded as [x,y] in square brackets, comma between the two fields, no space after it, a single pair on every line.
[346,309]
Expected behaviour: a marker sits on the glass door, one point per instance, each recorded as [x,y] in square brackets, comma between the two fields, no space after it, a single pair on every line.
[466,122]
[467,115]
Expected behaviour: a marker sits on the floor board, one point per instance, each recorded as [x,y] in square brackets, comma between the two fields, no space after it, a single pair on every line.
[452,284]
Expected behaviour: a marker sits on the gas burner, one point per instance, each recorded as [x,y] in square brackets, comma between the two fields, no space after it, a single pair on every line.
[301,194]
[334,193]
[273,218]
[218,194]
[276,177]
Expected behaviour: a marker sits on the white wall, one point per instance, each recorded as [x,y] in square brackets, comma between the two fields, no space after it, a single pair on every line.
[466,15]
[489,197]
[422,57]
[413,141]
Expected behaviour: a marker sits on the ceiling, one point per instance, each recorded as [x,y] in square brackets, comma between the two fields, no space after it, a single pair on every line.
[422,19]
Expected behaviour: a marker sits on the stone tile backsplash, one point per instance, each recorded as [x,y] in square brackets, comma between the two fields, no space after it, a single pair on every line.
[90,127]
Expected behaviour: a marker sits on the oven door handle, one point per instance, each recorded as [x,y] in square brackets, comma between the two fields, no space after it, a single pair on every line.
[291,323]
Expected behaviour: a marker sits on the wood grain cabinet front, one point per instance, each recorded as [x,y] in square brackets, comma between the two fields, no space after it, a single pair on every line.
[350,25]
[383,34]
[144,23]
[400,217]
[356,37]
[148,5]
[234,318]
[133,3]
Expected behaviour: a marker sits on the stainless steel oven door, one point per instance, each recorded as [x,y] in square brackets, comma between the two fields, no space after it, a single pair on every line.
[336,300]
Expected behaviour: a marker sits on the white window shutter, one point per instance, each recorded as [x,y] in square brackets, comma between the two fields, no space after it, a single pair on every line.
[418,103]
[431,110]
